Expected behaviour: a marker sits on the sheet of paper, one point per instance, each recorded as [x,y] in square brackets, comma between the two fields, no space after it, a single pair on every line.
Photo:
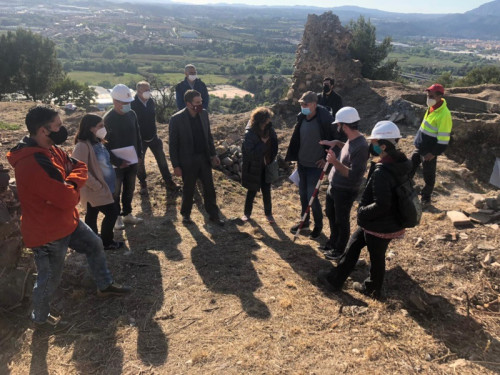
[495,175]
[126,153]
[294,177]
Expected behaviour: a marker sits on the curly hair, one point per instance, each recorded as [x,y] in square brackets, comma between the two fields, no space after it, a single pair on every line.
[259,116]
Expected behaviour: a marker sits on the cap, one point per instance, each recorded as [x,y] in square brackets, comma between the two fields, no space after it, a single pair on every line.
[346,115]
[122,93]
[436,87]
[309,97]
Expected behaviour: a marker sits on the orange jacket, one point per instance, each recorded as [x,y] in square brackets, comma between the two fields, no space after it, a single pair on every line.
[48,183]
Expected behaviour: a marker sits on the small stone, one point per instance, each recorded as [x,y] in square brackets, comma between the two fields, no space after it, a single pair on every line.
[463,236]
[486,246]
[488,259]
[428,357]
[227,161]
[458,218]
[355,351]
[439,268]
[420,242]
[390,255]
[480,218]
[495,265]
[468,248]
[493,226]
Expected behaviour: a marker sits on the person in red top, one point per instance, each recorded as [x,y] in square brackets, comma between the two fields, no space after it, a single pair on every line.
[49,183]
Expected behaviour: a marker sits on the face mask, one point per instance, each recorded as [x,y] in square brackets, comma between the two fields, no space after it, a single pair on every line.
[340,129]
[198,108]
[326,88]
[431,102]
[268,125]
[126,108]
[101,133]
[60,136]
[146,95]
[192,77]
[375,149]
[305,111]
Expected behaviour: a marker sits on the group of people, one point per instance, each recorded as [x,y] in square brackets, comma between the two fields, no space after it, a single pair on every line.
[109,155]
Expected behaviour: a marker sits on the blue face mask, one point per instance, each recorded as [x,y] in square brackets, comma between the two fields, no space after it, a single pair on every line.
[377,150]
[126,108]
[305,111]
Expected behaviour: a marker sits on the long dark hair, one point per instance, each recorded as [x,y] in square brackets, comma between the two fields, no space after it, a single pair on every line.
[86,123]
[259,116]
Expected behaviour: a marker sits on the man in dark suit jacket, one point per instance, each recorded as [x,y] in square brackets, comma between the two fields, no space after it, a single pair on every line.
[191,82]
[192,153]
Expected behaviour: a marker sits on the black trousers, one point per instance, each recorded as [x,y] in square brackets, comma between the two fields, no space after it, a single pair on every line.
[428,171]
[156,146]
[110,212]
[266,197]
[125,177]
[198,167]
[338,210]
[376,248]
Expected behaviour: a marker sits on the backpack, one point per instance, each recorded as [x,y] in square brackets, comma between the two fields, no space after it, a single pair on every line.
[409,207]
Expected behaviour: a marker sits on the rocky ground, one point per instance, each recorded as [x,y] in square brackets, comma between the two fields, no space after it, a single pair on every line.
[244,298]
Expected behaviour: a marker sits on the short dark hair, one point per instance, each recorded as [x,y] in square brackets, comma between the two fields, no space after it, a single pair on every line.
[39,116]
[84,133]
[190,95]
[332,81]
[352,125]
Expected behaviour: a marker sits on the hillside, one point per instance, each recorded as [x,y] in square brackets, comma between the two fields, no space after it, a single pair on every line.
[244,298]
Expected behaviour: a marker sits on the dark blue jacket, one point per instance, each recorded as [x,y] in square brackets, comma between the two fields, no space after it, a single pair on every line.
[183,86]
[146,116]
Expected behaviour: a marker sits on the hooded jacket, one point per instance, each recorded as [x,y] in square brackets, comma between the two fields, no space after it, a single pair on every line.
[253,152]
[378,211]
[48,184]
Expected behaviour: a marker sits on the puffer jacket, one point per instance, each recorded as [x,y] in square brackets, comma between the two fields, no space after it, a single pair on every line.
[378,210]
[253,152]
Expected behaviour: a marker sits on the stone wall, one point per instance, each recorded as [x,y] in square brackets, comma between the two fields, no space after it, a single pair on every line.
[323,52]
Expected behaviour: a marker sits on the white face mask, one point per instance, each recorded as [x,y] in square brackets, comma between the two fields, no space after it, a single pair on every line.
[101,133]
[146,95]
[192,77]
[431,102]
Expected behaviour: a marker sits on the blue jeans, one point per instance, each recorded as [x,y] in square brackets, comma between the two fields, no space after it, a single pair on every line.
[49,260]
[309,177]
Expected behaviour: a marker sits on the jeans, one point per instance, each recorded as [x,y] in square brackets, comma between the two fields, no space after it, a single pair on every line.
[198,167]
[110,212]
[156,146]
[428,172]
[266,196]
[309,177]
[376,248]
[49,260]
[338,210]
[126,177]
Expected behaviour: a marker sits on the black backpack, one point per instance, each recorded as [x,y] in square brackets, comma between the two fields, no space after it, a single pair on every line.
[409,207]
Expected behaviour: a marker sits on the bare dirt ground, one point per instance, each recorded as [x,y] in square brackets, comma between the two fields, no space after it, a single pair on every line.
[244,298]
[229,92]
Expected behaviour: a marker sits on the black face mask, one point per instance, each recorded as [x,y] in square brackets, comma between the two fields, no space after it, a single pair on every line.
[60,136]
[326,88]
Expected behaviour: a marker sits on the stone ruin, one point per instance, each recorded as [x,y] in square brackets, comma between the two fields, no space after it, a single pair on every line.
[323,52]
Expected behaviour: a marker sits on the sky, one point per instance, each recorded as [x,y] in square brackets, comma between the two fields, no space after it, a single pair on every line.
[399,6]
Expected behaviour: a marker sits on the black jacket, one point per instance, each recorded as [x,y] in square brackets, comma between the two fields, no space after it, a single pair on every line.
[378,210]
[332,102]
[253,151]
[122,131]
[327,131]
[183,86]
[146,116]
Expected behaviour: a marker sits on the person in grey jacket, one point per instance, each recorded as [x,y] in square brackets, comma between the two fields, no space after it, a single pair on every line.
[192,154]
[260,148]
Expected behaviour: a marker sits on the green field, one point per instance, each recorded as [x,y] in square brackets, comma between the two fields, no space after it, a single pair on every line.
[93,78]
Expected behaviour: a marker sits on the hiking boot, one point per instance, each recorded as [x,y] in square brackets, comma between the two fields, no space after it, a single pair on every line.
[114,289]
[315,233]
[172,186]
[295,228]
[326,247]
[333,254]
[115,245]
[131,219]
[144,189]
[119,223]
[323,279]
[361,288]
[270,219]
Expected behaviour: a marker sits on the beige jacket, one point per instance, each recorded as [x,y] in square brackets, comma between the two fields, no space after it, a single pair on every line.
[96,190]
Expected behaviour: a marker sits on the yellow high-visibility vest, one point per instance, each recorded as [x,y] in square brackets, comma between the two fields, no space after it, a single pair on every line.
[437,124]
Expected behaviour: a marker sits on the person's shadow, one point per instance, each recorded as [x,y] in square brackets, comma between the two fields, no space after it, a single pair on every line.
[462,335]
[225,266]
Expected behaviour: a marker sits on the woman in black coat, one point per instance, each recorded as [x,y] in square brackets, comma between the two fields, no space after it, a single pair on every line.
[260,148]
[378,217]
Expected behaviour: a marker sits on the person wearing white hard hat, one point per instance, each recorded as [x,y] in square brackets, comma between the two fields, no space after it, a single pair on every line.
[122,132]
[345,179]
[378,215]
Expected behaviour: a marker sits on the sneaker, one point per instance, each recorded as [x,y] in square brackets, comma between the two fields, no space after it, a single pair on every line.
[114,289]
[52,323]
[270,219]
[119,223]
[295,228]
[172,186]
[217,221]
[315,233]
[324,248]
[333,254]
[187,220]
[131,219]
[361,288]
[115,245]
[323,279]
[245,218]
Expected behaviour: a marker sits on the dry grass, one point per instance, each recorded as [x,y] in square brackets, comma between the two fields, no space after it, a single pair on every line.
[244,298]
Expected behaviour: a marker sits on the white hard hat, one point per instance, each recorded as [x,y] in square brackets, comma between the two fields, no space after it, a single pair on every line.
[122,93]
[346,115]
[385,130]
